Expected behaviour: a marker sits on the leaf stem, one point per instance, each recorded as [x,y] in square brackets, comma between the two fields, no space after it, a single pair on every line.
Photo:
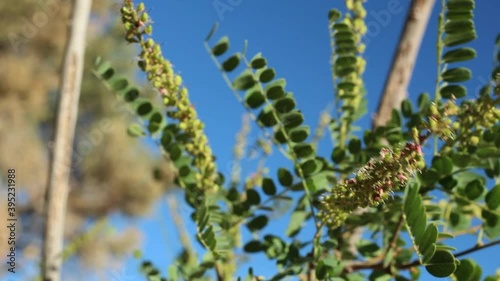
[379,265]
[439,53]
[395,236]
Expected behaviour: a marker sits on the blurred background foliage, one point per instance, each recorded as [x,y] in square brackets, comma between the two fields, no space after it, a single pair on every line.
[32,39]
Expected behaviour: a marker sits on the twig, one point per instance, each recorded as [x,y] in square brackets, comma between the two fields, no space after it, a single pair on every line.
[395,237]
[371,265]
[56,196]
[477,247]
[179,226]
[218,273]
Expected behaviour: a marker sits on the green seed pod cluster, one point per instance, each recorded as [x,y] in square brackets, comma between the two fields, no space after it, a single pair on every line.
[358,16]
[476,116]
[440,122]
[465,123]
[162,76]
[372,184]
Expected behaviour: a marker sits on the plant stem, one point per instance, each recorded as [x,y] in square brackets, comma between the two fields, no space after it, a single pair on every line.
[395,237]
[439,53]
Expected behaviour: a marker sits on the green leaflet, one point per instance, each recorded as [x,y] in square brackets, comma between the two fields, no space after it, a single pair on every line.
[439,263]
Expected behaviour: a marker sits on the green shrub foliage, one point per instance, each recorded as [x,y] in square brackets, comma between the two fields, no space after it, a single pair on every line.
[378,182]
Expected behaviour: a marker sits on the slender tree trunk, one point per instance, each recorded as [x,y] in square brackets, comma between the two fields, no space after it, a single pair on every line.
[396,85]
[60,166]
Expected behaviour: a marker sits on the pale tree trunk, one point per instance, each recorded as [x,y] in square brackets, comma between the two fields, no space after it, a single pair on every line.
[396,86]
[60,166]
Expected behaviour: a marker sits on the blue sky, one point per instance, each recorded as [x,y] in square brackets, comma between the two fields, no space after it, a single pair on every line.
[293,36]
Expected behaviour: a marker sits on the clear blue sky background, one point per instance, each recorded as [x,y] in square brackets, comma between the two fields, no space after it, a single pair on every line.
[293,36]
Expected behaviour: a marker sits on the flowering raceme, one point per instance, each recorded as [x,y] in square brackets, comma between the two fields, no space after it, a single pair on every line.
[162,76]
[372,184]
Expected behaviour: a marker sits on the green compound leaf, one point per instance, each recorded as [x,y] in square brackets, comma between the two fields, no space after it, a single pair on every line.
[166,139]
[458,26]
[459,15]
[318,181]
[458,74]
[175,151]
[231,63]
[299,134]
[303,150]
[451,40]
[448,182]
[212,31]
[468,270]
[130,94]
[253,197]
[460,5]
[258,61]
[268,186]
[257,223]
[345,49]
[340,26]
[284,104]
[221,46]
[344,36]
[104,69]
[338,155]
[265,74]
[493,198]
[156,122]
[461,159]
[208,237]
[275,89]
[173,273]
[135,130]
[267,117]
[457,91]
[346,61]
[491,224]
[443,165]
[244,81]
[285,177]
[406,108]
[424,239]
[458,220]
[487,152]
[395,118]
[428,242]
[311,167]
[334,15]
[342,71]
[442,264]
[118,84]
[292,119]
[232,194]
[423,101]
[354,146]
[474,189]
[346,86]
[296,222]
[280,137]
[147,267]
[142,107]
[458,55]
[367,248]
[254,97]
[253,246]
